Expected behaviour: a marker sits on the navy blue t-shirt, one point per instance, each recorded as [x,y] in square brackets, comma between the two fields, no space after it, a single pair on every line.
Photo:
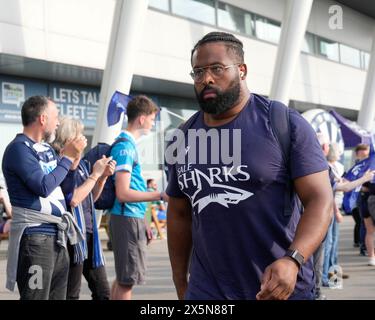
[33,174]
[238,221]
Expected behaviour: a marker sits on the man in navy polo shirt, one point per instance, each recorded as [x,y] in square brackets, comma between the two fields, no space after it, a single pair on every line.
[227,227]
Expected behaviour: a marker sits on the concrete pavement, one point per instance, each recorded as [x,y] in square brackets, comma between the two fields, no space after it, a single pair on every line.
[361,282]
[159,286]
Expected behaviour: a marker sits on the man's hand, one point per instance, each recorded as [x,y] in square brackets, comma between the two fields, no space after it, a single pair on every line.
[181,287]
[338,215]
[164,197]
[279,280]
[148,234]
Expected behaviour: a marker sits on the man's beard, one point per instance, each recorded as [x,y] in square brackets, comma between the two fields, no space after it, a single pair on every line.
[49,137]
[224,100]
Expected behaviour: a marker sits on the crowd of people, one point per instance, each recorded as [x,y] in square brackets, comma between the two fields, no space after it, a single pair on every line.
[262,224]
[326,264]
[53,191]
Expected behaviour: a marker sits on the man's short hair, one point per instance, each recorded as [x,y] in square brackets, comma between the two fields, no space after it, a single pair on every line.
[32,108]
[140,105]
[231,42]
[361,147]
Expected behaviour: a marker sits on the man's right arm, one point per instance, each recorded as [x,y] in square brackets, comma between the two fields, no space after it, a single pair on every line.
[125,194]
[179,241]
[26,166]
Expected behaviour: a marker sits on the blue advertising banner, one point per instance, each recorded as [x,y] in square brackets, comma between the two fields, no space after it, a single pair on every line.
[75,101]
[13,92]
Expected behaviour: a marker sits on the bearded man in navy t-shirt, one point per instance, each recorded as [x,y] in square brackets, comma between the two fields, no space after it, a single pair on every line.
[228,234]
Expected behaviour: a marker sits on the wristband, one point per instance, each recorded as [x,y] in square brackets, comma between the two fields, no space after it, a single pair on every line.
[296,257]
[93,178]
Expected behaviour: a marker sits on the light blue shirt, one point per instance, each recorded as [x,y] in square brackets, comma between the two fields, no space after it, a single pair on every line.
[126,155]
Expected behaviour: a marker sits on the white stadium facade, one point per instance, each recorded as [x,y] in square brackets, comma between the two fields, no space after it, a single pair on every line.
[310,54]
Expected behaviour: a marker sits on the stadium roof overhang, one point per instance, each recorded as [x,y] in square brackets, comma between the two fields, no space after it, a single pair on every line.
[366,7]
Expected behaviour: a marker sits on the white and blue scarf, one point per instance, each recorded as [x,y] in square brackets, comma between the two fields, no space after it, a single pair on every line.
[80,250]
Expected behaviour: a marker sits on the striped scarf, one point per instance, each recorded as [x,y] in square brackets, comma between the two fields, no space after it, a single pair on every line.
[80,250]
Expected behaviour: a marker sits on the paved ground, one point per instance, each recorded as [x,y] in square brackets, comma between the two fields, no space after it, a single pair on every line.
[159,284]
[360,285]
[361,282]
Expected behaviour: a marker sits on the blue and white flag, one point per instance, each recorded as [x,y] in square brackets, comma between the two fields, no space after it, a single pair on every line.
[117,106]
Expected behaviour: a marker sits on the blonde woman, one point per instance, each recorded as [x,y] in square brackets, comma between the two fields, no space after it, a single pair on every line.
[88,260]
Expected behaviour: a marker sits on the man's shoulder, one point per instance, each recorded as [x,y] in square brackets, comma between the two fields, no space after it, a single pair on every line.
[124,140]
[298,122]
[19,149]
[266,102]
[19,143]
[123,151]
[260,100]
[262,106]
[123,147]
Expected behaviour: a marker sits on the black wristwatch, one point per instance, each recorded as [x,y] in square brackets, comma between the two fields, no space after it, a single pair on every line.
[296,256]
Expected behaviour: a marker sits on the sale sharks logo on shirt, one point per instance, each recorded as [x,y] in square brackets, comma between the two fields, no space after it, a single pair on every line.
[209,190]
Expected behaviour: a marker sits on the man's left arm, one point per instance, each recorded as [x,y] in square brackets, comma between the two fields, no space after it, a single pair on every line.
[316,196]
[315,192]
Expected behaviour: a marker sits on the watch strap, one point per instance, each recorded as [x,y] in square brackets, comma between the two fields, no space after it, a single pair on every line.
[296,256]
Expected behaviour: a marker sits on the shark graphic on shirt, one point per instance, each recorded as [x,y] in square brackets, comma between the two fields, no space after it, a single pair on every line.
[209,192]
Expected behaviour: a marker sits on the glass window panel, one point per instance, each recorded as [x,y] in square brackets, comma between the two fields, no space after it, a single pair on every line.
[267,30]
[201,10]
[308,45]
[234,19]
[150,147]
[159,4]
[365,60]
[350,56]
[329,49]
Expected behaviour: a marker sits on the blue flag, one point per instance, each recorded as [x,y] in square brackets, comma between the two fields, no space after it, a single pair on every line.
[117,106]
[356,172]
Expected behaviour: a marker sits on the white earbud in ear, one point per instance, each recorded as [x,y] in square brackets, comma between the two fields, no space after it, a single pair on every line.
[242,74]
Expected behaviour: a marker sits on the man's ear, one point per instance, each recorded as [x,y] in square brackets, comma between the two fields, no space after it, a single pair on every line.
[142,119]
[243,71]
[42,119]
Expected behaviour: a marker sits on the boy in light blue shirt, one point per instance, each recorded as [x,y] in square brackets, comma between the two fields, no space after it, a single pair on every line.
[127,224]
